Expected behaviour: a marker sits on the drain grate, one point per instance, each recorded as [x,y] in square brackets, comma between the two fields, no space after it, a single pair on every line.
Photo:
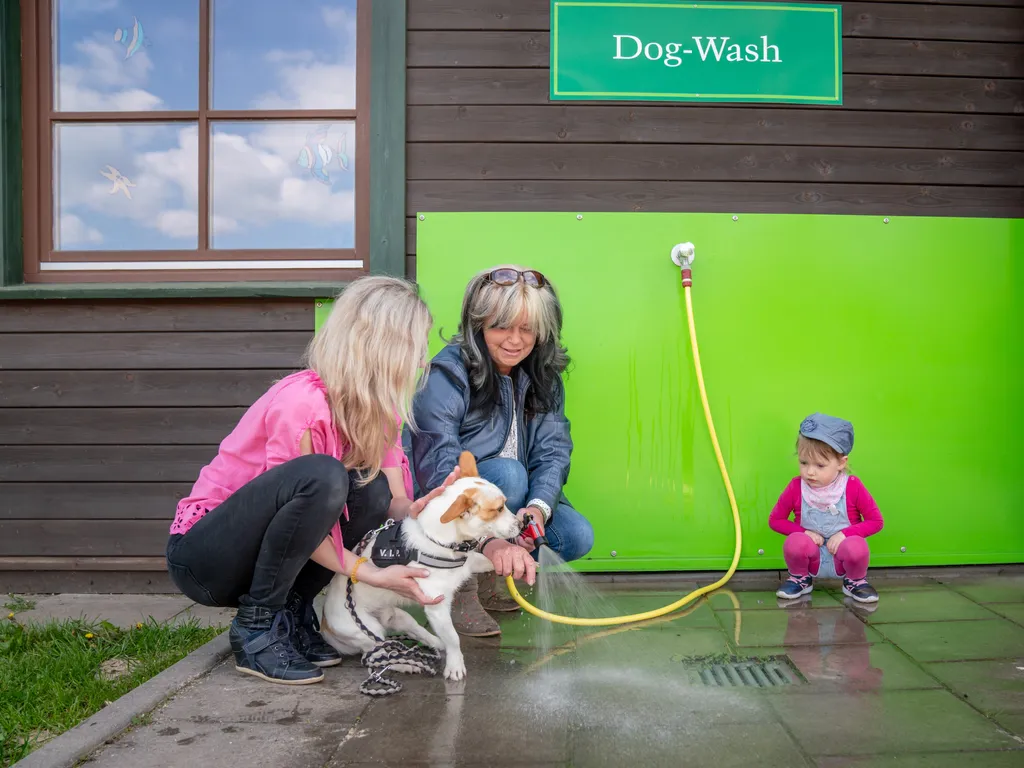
[734,672]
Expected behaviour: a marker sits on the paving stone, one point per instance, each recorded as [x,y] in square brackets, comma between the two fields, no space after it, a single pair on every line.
[120,610]
[207,616]
[804,626]
[436,729]
[1012,611]
[242,745]
[649,650]
[228,696]
[939,760]
[994,687]
[957,640]
[887,722]
[937,604]
[765,745]
[866,667]
[727,600]
[1004,588]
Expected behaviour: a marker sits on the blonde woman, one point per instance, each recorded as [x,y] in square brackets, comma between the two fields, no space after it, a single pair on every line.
[496,390]
[311,467]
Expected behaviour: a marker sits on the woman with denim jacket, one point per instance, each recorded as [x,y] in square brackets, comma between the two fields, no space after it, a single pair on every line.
[496,390]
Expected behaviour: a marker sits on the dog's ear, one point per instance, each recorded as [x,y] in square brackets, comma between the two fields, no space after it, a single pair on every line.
[468,465]
[458,507]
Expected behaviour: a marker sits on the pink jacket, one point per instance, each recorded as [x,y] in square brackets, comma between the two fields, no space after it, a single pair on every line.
[268,434]
[865,519]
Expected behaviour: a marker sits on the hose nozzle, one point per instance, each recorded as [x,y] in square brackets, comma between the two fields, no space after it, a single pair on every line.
[532,531]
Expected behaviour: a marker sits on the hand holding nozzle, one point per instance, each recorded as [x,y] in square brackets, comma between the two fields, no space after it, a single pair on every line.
[532,531]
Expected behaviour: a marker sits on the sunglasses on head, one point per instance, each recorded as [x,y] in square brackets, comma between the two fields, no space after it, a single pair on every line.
[509,276]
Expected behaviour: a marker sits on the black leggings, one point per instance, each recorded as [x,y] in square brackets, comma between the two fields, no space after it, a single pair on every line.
[254,547]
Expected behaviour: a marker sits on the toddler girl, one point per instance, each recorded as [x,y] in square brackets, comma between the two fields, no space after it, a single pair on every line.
[833,514]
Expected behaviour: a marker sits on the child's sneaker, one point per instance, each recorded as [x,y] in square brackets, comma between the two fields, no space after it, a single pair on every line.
[795,586]
[859,590]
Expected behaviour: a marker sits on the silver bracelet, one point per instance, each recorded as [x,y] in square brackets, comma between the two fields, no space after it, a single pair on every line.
[542,506]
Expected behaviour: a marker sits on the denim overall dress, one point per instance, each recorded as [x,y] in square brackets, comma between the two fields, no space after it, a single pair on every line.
[827,522]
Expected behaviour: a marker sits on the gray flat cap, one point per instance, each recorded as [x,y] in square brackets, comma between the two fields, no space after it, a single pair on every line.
[831,430]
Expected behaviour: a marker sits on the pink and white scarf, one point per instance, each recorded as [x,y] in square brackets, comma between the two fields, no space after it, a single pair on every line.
[827,497]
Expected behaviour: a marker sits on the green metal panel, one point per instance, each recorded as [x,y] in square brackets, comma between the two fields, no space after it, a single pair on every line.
[321,309]
[911,327]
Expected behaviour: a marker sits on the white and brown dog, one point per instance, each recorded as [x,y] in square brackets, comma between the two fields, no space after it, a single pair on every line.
[442,540]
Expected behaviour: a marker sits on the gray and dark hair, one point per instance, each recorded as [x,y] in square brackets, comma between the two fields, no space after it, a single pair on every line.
[489,305]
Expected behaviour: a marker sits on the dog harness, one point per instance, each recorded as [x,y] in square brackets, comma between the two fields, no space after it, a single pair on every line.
[389,549]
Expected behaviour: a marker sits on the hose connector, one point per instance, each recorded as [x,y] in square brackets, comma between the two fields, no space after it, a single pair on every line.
[682,257]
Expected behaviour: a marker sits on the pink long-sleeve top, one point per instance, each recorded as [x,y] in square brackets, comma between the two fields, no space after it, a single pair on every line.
[865,519]
[269,434]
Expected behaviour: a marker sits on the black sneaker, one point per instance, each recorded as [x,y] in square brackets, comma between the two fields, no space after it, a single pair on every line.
[306,635]
[796,586]
[263,647]
[859,590]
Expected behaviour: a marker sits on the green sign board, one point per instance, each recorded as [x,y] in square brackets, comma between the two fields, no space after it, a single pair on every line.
[670,51]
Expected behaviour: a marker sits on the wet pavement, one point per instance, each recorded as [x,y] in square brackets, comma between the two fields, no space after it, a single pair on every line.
[933,676]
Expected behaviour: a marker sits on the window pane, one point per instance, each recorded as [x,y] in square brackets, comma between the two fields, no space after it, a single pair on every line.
[116,57]
[282,185]
[125,187]
[269,54]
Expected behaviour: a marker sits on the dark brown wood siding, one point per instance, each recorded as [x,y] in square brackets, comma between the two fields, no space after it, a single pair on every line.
[932,123]
[108,410]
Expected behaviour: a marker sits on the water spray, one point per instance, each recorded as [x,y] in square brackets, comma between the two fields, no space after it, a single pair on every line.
[682,257]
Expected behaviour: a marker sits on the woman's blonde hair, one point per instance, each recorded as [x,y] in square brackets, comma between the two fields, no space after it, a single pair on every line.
[370,354]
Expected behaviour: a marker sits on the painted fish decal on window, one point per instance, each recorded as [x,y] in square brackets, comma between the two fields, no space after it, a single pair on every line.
[132,39]
[121,182]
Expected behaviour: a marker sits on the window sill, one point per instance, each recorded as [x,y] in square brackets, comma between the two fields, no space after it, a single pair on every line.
[317,290]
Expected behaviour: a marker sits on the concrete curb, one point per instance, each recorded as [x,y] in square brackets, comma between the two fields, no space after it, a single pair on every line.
[71,746]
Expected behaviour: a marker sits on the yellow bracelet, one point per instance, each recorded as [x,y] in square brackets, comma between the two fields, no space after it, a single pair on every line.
[352,576]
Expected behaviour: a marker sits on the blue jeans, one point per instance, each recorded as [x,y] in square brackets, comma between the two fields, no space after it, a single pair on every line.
[568,532]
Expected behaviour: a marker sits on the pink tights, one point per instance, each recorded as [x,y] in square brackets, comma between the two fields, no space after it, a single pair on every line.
[802,556]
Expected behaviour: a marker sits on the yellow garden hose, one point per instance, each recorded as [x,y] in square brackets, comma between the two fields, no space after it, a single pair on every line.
[634,617]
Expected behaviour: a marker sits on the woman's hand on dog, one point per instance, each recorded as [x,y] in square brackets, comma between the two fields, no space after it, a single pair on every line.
[418,506]
[511,559]
[400,579]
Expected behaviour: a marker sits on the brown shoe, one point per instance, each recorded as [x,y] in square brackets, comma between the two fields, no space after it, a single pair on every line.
[468,616]
[493,597]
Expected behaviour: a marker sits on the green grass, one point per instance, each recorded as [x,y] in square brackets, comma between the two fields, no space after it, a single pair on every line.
[17,604]
[50,673]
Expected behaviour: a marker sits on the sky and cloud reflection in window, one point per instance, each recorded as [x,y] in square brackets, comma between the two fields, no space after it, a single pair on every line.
[273,184]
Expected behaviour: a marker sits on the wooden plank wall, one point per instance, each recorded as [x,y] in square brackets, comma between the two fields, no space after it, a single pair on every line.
[932,123]
[108,410]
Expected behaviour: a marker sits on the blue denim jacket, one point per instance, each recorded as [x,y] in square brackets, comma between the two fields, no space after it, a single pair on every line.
[446,427]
